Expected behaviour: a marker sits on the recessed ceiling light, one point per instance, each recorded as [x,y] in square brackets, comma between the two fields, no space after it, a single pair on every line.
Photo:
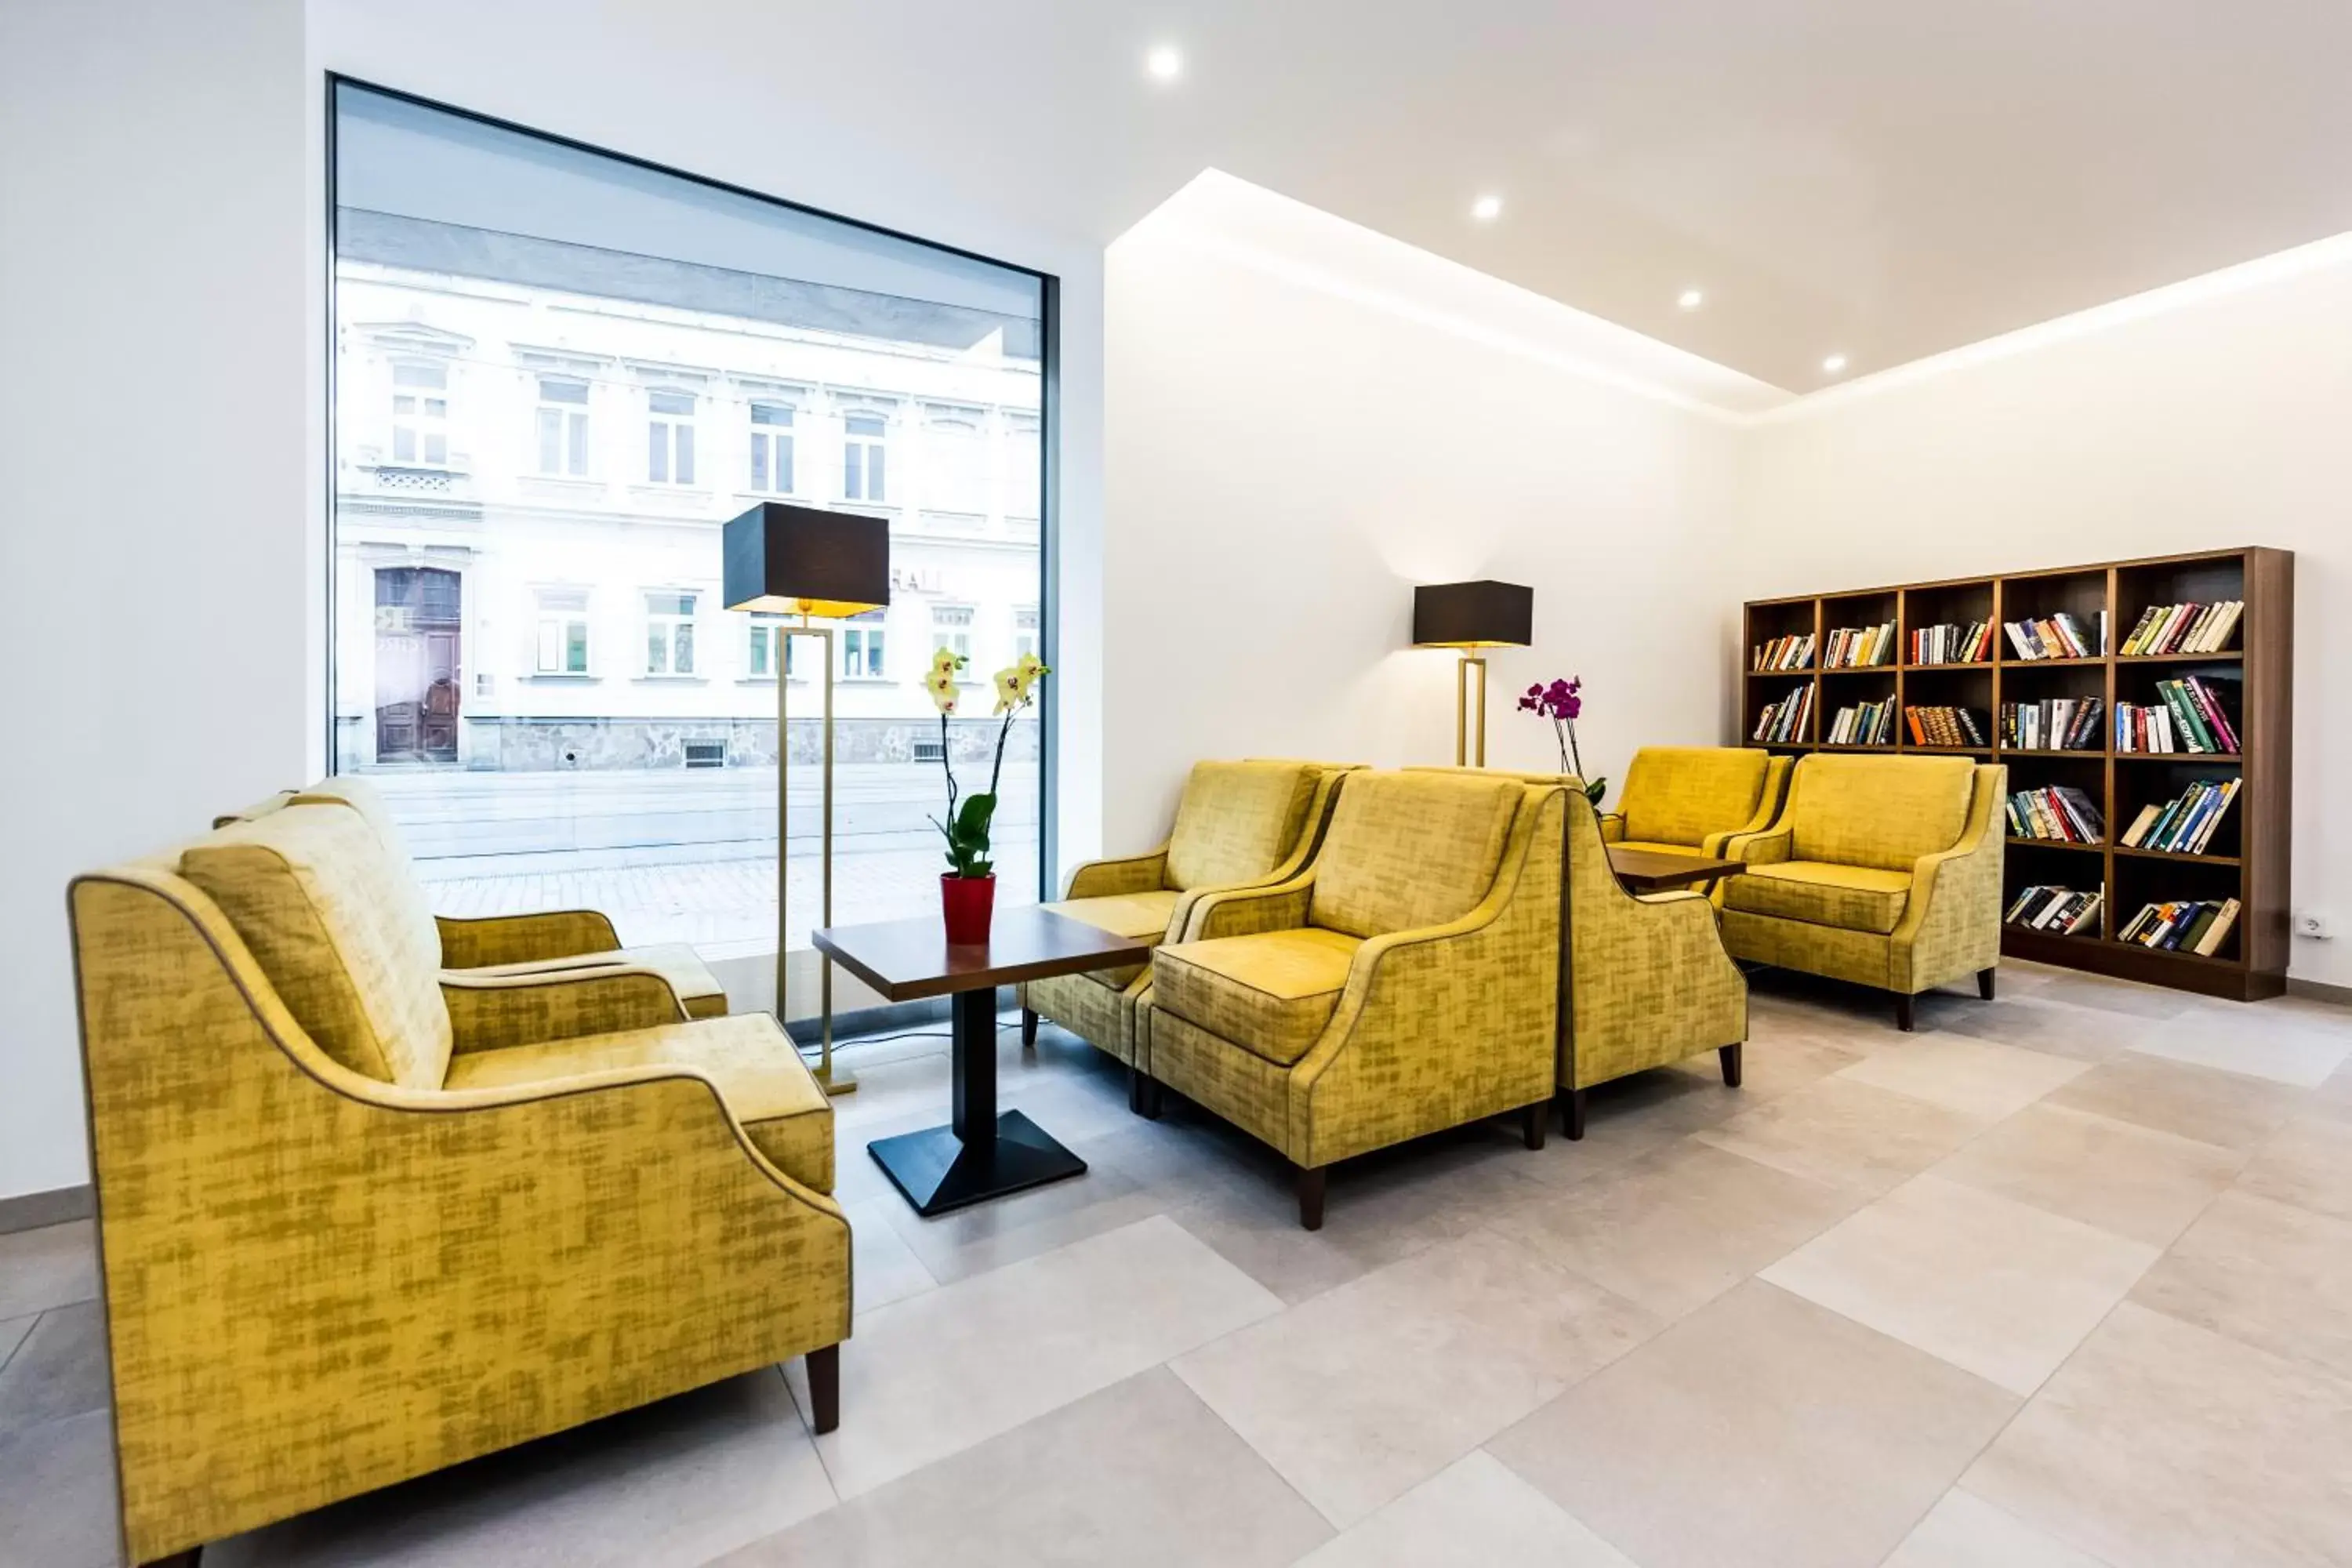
[1834,364]
[1691,299]
[1486,209]
[1164,63]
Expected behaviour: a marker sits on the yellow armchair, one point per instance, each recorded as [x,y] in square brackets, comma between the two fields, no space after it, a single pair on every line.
[1883,871]
[356,1226]
[1688,800]
[1403,982]
[1238,824]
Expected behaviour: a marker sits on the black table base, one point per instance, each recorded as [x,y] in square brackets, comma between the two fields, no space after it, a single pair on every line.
[980,1154]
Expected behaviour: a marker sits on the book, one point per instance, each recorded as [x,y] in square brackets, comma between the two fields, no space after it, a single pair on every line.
[2184,628]
[1858,647]
[1786,721]
[1783,654]
[2187,824]
[2193,925]
[1949,643]
[2050,636]
[2054,724]
[2065,911]
[2061,814]
[1864,724]
[1935,726]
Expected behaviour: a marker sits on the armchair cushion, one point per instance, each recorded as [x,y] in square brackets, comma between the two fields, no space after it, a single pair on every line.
[1270,994]
[342,933]
[759,1074]
[1851,898]
[1237,821]
[1884,812]
[1141,916]
[690,980]
[1409,850]
[1678,796]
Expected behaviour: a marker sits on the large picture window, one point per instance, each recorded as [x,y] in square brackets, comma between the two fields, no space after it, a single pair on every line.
[558,373]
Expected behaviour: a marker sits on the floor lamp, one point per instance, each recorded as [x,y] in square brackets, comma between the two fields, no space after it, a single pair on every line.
[1472,617]
[800,560]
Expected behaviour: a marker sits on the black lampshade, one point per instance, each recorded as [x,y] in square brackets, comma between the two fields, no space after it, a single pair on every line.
[1473,615]
[801,561]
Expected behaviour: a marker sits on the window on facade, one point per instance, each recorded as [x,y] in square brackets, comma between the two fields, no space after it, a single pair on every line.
[951,629]
[862,458]
[1025,643]
[563,632]
[669,438]
[563,426]
[420,414]
[771,448]
[669,634]
[555,318]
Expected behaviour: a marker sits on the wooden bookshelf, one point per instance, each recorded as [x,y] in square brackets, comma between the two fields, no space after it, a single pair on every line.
[2249,854]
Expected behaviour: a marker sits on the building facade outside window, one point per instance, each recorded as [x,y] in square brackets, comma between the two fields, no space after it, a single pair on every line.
[420,414]
[861,646]
[563,426]
[767,649]
[863,471]
[1025,641]
[771,448]
[562,643]
[951,630]
[669,634]
[669,438]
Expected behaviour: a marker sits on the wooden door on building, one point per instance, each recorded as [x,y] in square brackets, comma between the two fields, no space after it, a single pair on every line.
[419,664]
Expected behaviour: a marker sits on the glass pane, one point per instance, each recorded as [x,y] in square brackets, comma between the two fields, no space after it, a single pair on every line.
[758,664]
[657,650]
[759,461]
[685,454]
[452,230]
[671,402]
[852,472]
[864,424]
[437,408]
[550,440]
[404,405]
[404,444]
[437,449]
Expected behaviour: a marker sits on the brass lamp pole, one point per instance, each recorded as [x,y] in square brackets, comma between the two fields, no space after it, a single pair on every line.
[1471,617]
[805,562]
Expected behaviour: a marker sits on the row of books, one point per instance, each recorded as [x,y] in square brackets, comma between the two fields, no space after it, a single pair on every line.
[2062,911]
[2062,813]
[2190,718]
[2184,628]
[2186,824]
[2058,724]
[1864,724]
[2196,925]
[1859,647]
[2057,636]
[1787,720]
[1785,653]
[1948,643]
[1943,727]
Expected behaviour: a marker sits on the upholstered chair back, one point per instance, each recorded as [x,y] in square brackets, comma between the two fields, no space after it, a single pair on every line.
[1410,849]
[1238,821]
[351,790]
[1882,812]
[343,931]
[1679,794]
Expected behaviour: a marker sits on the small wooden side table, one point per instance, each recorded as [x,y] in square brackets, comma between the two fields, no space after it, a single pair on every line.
[979,1153]
[1655,871]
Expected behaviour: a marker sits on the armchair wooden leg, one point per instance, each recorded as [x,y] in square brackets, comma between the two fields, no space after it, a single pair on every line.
[1572,1113]
[825,1388]
[1984,984]
[1028,1030]
[1310,1196]
[1142,1093]
[1729,1055]
[1532,1120]
[1904,1016]
[187,1559]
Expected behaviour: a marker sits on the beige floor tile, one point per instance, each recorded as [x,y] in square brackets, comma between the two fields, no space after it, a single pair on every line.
[1846,1134]
[2162,1444]
[1975,1078]
[2308,1163]
[56,1495]
[935,1374]
[2125,998]
[1963,1531]
[12,1335]
[2134,1181]
[1673,1230]
[1761,1430]
[55,1265]
[2332,1099]
[60,1369]
[2267,1274]
[1475,1513]
[1139,1474]
[1773,1066]
[2036,1022]
[883,1267]
[989,1235]
[2284,1048]
[1362,1393]
[2227,1109]
[676,1482]
[1255,1228]
[2002,1289]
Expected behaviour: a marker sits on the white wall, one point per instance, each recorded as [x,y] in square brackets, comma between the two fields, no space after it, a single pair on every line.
[160,475]
[2216,415]
[1288,452]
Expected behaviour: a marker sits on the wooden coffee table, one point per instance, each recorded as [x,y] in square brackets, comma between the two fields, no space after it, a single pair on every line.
[1655,871]
[979,1153]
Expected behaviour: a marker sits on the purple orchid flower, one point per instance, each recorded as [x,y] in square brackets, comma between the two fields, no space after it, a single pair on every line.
[1562,702]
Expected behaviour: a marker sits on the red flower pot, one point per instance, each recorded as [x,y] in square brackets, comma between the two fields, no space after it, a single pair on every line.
[967,903]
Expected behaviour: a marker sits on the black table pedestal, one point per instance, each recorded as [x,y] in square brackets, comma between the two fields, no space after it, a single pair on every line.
[980,1154]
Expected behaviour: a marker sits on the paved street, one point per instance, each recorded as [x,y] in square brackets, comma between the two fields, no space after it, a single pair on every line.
[689,855]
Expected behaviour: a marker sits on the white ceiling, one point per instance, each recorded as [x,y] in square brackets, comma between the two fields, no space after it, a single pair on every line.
[1885,180]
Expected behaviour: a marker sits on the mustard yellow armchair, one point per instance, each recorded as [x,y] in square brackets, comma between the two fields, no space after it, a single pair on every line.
[541,942]
[1688,800]
[1238,824]
[1404,982]
[1884,871]
[357,1222]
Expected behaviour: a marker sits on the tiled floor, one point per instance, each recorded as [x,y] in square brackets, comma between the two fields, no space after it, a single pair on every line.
[2057,1283]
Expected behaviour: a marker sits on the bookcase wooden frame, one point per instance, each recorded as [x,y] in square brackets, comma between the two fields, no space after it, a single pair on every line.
[2250,853]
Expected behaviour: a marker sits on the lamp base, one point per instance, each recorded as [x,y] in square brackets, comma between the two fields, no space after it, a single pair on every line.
[835,1080]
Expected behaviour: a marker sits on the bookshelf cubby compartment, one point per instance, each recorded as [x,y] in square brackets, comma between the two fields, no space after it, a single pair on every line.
[2251,676]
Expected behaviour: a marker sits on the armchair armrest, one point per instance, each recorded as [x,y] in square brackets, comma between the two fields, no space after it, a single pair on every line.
[1951,922]
[489,1012]
[1141,873]
[1768,847]
[1612,827]
[1248,912]
[524,939]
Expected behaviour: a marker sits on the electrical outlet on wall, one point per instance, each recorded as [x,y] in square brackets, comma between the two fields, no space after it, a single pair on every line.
[2314,924]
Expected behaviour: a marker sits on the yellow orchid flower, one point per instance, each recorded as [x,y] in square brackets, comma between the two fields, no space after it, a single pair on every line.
[941,684]
[947,659]
[1009,694]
